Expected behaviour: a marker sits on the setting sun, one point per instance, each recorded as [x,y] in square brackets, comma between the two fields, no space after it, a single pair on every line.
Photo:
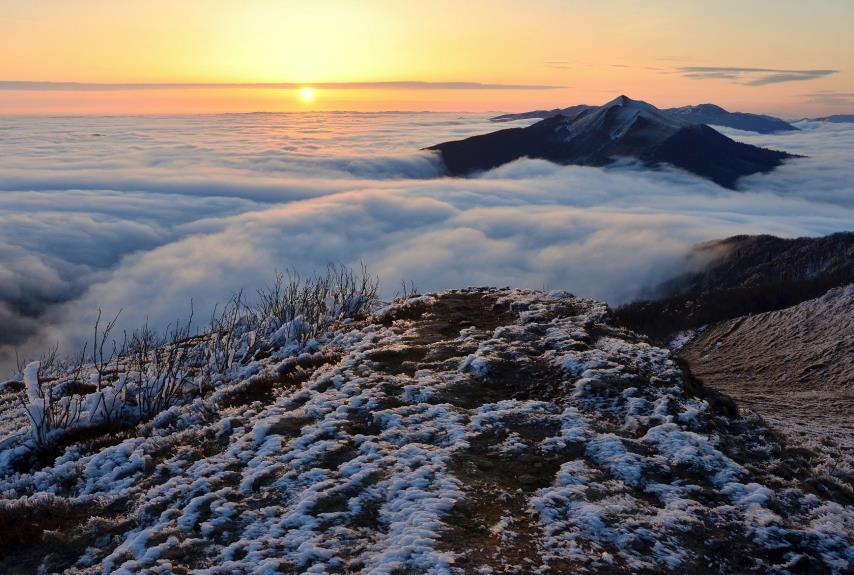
[306,94]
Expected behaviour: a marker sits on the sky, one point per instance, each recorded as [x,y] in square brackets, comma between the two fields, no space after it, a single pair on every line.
[786,57]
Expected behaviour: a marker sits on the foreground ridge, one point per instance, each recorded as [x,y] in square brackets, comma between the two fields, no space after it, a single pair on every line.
[472,431]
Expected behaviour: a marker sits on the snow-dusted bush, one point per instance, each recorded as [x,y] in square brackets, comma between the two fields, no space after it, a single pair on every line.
[158,368]
[290,309]
[46,406]
[316,302]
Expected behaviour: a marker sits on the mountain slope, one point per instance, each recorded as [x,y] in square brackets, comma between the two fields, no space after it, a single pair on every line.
[621,128]
[743,275]
[699,114]
[473,431]
[795,366]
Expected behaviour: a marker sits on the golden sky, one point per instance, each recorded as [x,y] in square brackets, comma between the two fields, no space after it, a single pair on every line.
[785,56]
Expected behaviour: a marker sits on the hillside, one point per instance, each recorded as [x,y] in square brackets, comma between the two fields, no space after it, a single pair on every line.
[474,431]
[742,275]
[795,366]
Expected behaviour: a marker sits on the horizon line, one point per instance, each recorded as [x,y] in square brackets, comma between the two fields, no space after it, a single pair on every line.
[45,86]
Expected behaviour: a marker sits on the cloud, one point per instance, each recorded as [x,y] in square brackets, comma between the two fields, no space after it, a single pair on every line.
[557,64]
[153,214]
[752,76]
[127,86]
[831,98]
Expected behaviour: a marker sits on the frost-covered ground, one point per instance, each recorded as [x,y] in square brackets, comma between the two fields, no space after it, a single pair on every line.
[474,431]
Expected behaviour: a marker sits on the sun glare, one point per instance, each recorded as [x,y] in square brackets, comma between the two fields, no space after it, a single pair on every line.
[306,94]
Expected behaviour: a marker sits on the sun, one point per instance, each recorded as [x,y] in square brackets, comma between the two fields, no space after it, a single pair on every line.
[306,94]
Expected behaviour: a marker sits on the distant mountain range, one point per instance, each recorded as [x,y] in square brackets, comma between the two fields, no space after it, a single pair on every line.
[596,136]
[699,114]
[835,119]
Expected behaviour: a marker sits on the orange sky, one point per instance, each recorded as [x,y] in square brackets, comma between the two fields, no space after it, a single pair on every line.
[785,56]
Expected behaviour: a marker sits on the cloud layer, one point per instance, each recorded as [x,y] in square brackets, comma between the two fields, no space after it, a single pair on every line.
[143,214]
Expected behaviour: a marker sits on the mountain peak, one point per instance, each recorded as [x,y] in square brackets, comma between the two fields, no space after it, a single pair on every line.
[624,101]
[707,107]
[621,100]
[632,108]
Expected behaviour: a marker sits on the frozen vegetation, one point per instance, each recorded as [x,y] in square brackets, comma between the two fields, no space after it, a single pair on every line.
[473,431]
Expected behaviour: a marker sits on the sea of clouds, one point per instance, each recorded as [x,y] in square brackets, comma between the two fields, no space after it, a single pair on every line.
[144,214]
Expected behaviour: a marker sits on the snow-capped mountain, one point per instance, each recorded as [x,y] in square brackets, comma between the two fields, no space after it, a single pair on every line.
[465,432]
[621,128]
[717,116]
[698,114]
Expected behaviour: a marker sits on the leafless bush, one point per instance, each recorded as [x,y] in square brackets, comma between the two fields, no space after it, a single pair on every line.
[163,368]
[107,360]
[290,308]
[43,400]
[407,290]
[317,301]
[101,359]
[223,333]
